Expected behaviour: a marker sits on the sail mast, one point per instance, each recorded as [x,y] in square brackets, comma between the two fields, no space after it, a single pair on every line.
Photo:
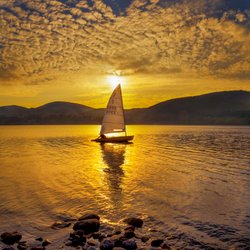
[123,111]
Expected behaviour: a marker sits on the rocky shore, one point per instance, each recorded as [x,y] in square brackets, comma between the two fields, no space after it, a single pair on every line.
[88,233]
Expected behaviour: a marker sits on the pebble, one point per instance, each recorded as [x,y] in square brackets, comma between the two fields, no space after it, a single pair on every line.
[92,248]
[157,242]
[136,222]
[144,239]
[107,245]
[22,246]
[46,243]
[129,244]
[88,225]
[10,238]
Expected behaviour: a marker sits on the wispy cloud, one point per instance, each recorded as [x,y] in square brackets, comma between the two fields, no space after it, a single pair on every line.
[42,40]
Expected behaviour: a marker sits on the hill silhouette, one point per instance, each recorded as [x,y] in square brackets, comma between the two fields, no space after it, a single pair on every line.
[219,108]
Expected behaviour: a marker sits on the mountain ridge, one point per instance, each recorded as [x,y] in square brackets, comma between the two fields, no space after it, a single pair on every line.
[217,108]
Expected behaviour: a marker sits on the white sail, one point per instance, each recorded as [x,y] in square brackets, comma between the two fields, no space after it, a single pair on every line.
[113,120]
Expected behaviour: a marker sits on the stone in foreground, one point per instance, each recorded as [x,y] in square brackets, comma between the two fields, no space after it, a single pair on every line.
[88,226]
[136,222]
[89,216]
[11,238]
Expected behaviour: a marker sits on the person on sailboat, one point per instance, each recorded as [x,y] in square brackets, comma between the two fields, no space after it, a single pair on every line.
[103,136]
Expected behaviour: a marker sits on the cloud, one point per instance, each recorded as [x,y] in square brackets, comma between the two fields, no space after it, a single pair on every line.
[44,39]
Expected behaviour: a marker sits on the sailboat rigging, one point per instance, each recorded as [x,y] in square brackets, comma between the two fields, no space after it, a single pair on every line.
[113,122]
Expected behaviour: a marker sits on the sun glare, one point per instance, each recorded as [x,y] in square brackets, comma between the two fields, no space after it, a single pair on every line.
[114,80]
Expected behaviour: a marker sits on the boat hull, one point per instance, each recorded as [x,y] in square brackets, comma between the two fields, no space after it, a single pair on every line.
[116,139]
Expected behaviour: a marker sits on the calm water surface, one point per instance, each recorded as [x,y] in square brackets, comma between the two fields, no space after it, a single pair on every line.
[190,184]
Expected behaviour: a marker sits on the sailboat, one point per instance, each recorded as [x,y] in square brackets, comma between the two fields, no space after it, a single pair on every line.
[113,127]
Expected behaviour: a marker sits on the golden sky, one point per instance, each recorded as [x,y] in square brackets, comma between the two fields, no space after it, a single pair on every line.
[72,50]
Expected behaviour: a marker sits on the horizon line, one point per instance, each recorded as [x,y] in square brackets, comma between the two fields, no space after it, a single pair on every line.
[239,90]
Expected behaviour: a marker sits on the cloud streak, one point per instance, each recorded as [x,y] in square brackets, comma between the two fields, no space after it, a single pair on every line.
[43,40]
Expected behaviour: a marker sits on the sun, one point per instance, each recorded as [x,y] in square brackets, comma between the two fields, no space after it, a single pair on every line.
[114,80]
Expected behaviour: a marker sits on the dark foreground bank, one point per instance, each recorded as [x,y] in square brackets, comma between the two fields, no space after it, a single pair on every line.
[89,233]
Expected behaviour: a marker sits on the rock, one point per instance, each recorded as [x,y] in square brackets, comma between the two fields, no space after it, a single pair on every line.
[107,245]
[130,228]
[37,248]
[129,232]
[129,244]
[144,239]
[80,233]
[92,248]
[157,243]
[46,243]
[60,225]
[76,242]
[116,232]
[118,248]
[89,216]
[101,237]
[8,248]
[39,239]
[11,238]
[97,235]
[22,246]
[88,225]
[68,243]
[136,222]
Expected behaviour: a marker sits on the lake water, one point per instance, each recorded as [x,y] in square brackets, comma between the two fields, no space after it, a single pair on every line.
[190,184]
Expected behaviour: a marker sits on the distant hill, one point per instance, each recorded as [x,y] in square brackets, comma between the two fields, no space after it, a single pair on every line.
[220,108]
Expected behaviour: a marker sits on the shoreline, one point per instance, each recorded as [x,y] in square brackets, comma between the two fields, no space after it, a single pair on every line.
[90,233]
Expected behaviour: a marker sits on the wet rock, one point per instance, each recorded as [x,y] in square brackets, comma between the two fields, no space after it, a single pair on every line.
[88,225]
[46,243]
[98,235]
[68,243]
[129,232]
[92,248]
[22,246]
[80,233]
[102,237]
[116,232]
[39,239]
[129,244]
[60,225]
[89,216]
[144,239]
[130,228]
[157,242]
[11,238]
[107,245]
[136,222]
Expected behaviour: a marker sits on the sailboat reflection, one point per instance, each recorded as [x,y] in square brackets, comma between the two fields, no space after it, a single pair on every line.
[114,157]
